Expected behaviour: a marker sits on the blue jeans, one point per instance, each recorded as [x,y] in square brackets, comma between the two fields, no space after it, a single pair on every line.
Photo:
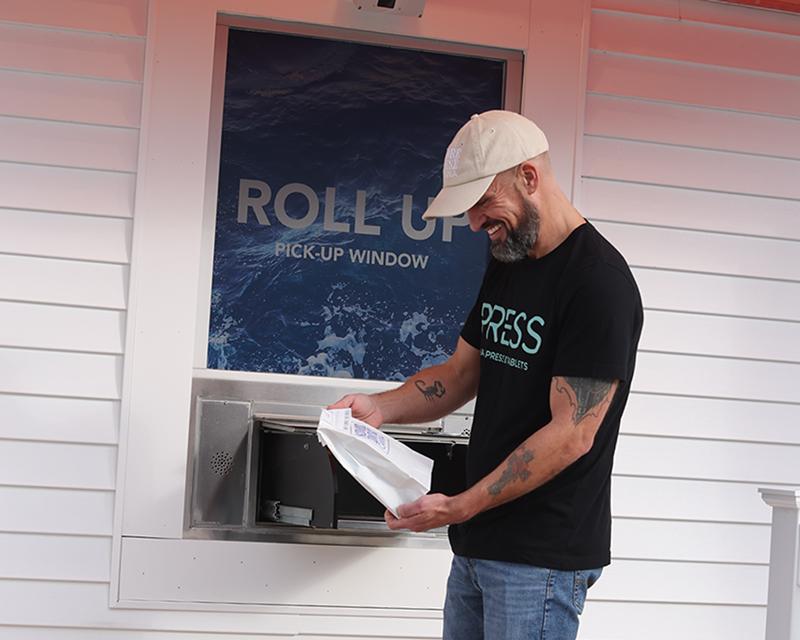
[489,600]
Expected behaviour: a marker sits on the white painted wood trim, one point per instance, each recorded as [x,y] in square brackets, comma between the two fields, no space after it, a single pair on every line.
[781,498]
[783,606]
[554,86]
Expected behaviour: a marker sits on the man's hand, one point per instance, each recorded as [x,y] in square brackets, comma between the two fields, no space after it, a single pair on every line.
[429,512]
[363,407]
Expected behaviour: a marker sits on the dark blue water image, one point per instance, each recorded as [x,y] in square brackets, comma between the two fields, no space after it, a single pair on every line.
[324,145]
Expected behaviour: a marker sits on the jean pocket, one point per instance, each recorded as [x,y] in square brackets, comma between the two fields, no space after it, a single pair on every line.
[583,580]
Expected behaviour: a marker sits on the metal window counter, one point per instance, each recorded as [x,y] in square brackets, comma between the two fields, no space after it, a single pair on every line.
[258,472]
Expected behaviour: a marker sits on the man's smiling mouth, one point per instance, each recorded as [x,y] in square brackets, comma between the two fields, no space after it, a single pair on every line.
[492,231]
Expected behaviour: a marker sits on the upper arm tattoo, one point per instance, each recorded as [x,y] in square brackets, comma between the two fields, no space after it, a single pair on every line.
[587,396]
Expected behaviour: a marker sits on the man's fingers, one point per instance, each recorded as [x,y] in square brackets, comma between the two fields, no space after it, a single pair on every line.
[408,509]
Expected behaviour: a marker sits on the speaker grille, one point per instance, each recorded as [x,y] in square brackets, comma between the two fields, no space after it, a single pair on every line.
[222,463]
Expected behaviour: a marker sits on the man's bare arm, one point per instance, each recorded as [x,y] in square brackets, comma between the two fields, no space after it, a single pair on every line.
[578,407]
[429,395]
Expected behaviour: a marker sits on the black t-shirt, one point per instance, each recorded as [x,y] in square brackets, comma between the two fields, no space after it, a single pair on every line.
[574,312]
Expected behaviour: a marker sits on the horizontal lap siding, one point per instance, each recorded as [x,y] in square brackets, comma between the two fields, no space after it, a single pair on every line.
[725,295]
[723,461]
[68,144]
[611,620]
[110,17]
[697,417]
[70,98]
[74,603]
[636,161]
[690,167]
[68,282]
[71,76]
[672,498]
[705,334]
[677,206]
[107,56]
[705,252]
[66,189]
[73,237]
[691,126]
[629,76]
[79,419]
[47,557]
[38,326]
[45,510]
[708,542]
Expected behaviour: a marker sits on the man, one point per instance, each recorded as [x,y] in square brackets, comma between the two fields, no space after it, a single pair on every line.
[549,350]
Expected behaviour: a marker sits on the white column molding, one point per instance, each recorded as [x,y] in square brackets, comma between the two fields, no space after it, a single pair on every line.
[783,602]
[554,91]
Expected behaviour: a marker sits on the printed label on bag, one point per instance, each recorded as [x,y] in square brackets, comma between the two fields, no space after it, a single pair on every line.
[365,432]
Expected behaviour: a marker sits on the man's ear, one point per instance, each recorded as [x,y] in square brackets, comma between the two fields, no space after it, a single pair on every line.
[529,173]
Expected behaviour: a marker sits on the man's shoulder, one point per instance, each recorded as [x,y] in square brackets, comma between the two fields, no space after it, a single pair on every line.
[592,249]
[590,242]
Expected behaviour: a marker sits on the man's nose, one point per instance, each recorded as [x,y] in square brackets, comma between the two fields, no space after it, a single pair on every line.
[476,219]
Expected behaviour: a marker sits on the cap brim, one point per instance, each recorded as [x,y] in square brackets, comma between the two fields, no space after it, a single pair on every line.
[456,199]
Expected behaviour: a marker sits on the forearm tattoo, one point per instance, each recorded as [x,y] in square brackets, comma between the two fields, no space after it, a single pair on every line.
[430,392]
[516,469]
[587,396]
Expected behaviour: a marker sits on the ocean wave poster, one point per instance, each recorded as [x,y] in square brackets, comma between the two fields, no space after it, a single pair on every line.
[330,153]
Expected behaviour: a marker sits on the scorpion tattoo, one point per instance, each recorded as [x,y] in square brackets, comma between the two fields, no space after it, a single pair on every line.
[436,390]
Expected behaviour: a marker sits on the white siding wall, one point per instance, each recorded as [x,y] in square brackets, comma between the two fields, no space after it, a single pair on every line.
[691,166]
[70,100]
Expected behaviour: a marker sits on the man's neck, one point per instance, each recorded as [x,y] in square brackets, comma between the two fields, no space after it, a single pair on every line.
[558,222]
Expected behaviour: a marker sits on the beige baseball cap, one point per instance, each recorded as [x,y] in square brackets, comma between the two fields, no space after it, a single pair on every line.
[488,144]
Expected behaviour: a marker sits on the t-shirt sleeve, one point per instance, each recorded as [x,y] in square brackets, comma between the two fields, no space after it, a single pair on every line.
[600,312]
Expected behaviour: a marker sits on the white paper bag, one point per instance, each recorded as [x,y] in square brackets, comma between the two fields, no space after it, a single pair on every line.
[384,466]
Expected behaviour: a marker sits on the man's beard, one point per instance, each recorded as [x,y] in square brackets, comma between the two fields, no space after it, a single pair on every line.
[519,241]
